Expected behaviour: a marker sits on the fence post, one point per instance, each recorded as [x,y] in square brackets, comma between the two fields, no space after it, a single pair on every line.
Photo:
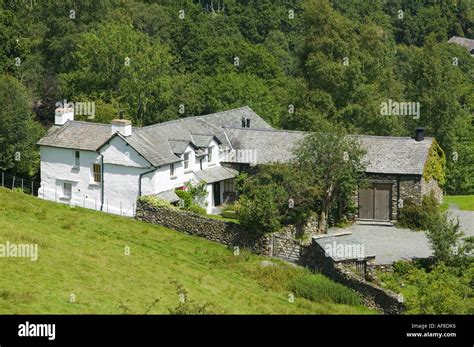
[13,184]
[55,193]
[3,179]
[107,205]
[22,184]
[32,188]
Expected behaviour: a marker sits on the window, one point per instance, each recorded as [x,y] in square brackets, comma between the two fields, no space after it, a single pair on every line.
[67,190]
[248,122]
[171,169]
[209,154]
[229,186]
[96,169]
[77,158]
[186,161]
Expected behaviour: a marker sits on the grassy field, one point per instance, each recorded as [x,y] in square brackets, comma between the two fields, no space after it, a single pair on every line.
[83,268]
[464,202]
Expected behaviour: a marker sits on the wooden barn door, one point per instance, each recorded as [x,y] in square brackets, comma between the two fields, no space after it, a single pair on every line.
[382,202]
[374,202]
[366,203]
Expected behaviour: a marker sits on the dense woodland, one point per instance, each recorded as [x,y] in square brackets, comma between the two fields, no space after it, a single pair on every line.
[300,64]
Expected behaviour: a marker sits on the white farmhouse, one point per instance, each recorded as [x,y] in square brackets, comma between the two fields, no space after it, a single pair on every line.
[107,167]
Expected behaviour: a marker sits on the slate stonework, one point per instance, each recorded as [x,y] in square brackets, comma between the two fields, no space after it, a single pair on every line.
[313,257]
[405,187]
[227,233]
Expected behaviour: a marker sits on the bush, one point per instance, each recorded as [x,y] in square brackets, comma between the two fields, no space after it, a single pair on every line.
[185,196]
[444,237]
[197,209]
[419,217]
[157,202]
[440,291]
[316,287]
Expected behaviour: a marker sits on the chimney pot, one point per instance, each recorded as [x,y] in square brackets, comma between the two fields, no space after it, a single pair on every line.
[420,134]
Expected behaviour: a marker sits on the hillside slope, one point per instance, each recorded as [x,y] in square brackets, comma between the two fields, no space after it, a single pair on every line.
[82,257]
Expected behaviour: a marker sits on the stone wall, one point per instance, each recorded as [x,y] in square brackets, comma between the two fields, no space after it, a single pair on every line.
[227,233]
[403,187]
[313,257]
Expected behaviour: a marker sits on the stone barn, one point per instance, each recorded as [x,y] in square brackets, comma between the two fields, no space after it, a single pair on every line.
[397,170]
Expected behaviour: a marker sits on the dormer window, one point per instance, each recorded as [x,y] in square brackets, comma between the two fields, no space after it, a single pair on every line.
[171,170]
[210,151]
[186,161]
[77,159]
[245,122]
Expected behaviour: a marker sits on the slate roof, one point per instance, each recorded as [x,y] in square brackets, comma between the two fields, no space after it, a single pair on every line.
[160,143]
[178,147]
[343,247]
[463,41]
[157,143]
[216,174]
[395,155]
[168,195]
[384,154]
[271,145]
[77,135]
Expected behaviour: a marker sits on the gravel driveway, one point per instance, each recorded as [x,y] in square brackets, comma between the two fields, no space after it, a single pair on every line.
[466,219]
[390,244]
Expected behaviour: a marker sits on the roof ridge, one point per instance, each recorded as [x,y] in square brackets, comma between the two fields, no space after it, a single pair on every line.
[265,129]
[388,137]
[194,117]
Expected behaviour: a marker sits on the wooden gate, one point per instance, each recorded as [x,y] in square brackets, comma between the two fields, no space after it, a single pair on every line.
[286,248]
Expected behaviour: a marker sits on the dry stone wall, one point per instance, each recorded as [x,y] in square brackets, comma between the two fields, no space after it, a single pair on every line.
[190,223]
[314,258]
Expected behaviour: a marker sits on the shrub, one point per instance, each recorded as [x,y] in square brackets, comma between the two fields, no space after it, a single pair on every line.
[316,287]
[440,291]
[197,209]
[419,217]
[444,237]
[157,202]
[185,196]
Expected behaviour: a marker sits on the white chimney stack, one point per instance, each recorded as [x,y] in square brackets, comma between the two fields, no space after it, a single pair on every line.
[123,126]
[62,115]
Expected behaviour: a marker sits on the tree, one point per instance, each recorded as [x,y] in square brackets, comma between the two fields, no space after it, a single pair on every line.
[444,235]
[278,194]
[18,131]
[333,162]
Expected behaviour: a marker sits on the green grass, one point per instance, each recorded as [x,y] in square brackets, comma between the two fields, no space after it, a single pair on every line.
[82,252]
[464,202]
[219,217]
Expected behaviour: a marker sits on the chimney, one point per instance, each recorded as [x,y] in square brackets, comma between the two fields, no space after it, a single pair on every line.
[123,126]
[62,115]
[420,134]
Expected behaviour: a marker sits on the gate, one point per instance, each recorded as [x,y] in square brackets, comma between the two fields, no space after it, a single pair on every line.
[286,248]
